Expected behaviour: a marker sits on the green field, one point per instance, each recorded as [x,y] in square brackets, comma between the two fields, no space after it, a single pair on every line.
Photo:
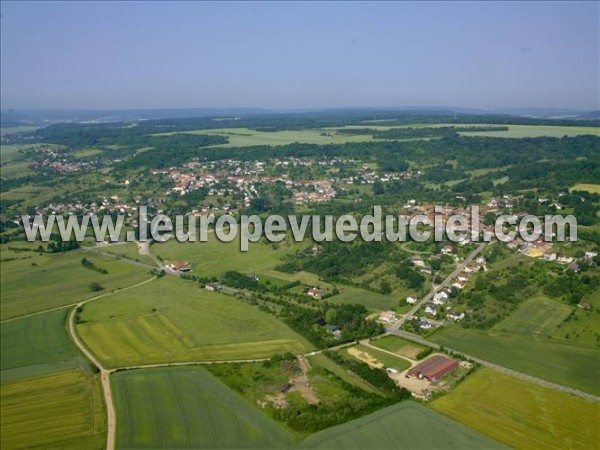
[570,365]
[522,414]
[36,345]
[186,407]
[324,362]
[172,320]
[538,316]
[61,410]
[593,188]
[127,251]
[32,282]
[404,425]
[214,257]
[398,345]
[244,137]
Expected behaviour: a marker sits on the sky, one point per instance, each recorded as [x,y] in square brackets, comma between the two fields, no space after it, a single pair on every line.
[121,55]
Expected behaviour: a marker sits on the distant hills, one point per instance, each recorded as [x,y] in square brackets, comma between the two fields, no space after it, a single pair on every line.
[46,117]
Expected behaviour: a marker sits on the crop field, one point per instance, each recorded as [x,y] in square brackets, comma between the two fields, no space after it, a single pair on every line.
[186,407]
[61,410]
[244,137]
[388,361]
[171,320]
[593,188]
[404,425]
[538,316]
[522,414]
[36,345]
[567,364]
[35,282]
[398,345]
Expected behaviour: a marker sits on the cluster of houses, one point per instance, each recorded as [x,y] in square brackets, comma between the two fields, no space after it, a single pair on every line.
[439,305]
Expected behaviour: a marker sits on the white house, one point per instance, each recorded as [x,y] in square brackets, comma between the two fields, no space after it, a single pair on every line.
[431,309]
[456,316]
[411,300]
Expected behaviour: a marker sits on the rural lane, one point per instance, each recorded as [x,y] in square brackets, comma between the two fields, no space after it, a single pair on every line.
[104,373]
[436,289]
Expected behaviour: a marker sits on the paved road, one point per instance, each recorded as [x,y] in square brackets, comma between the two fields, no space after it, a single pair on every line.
[104,372]
[558,387]
[436,289]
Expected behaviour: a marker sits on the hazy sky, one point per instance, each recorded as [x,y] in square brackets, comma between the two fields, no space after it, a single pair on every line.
[294,55]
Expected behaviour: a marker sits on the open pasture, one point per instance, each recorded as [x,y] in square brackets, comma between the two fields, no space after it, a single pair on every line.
[186,407]
[171,320]
[522,414]
[592,188]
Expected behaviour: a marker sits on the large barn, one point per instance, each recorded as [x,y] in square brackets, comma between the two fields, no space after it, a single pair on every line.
[434,368]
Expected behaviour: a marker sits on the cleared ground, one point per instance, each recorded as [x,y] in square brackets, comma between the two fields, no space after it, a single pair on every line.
[32,282]
[186,407]
[170,320]
[405,425]
[61,410]
[522,414]
[570,365]
[37,345]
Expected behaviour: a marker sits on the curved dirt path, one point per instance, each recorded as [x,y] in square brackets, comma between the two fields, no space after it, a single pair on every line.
[104,372]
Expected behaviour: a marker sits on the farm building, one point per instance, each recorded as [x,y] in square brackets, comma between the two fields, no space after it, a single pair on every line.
[316,293]
[434,368]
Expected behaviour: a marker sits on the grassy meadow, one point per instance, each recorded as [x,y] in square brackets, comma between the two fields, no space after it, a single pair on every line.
[60,410]
[186,407]
[567,364]
[522,414]
[33,282]
[404,425]
[171,320]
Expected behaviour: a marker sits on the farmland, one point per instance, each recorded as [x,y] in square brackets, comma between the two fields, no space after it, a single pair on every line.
[521,414]
[60,410]
[171,320]
[33,282]
[37,345]
[186,407]
[559,362]
[405,425]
